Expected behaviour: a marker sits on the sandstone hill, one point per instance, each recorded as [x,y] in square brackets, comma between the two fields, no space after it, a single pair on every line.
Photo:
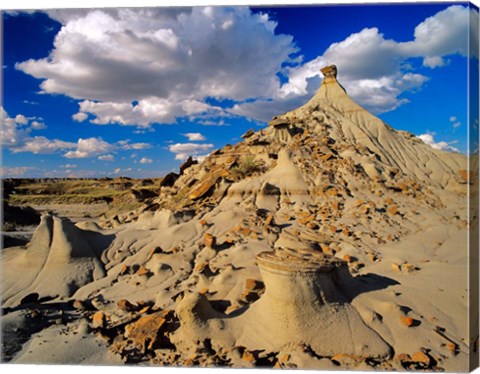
[326,239]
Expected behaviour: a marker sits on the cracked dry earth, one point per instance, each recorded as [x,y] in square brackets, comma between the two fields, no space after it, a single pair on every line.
[326,240]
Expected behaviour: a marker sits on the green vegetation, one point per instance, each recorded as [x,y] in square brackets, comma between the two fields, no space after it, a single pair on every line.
[246,167]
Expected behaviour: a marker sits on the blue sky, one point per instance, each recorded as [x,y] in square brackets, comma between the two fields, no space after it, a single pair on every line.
[95,93]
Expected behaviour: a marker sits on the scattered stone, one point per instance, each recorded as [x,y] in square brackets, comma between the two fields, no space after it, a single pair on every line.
[407,321]
[278,122]
[393,210]
[79,305]
[209,240]
[248,134]
[146,332]
[396,268]
[453,348]
[124,270]
[408,268]
[143,271]
[98,320]
[421,358]
[248,356]
[126,306]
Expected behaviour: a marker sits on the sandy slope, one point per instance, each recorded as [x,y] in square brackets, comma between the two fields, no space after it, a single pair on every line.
[327,239]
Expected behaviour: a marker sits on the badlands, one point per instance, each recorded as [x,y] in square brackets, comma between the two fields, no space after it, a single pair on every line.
[327,240]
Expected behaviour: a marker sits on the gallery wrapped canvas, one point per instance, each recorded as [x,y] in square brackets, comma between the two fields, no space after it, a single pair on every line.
[241,186]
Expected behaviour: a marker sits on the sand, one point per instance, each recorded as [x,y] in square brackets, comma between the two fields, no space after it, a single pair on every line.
[326,240]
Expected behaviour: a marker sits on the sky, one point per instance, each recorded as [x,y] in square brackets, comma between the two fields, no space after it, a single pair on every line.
[135,91]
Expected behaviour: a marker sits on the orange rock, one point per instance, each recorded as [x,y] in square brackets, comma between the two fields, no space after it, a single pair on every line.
[252,284]
[203,291]
[268,220]
[209,240]
[422,358]
[124,270]
[347,258]
[248,356]
[205,186]
[98,320]
[333,228]
[146,331]
[203,222]
[246,231]
[453,348]
[125,306]
[396,268]
[403,357]
[201,266]
[78,304]
[326,249]
[406,321]
[408,268]
[154,251]
[143,271]
[332,192]
[393,210]
[389,201]
[346,232]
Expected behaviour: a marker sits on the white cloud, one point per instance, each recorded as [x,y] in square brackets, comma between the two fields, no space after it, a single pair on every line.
[453,119]
[125,145]
[21,119]
[69,166]
[13,172]
[42,145]
[35,125]
[442,146]
[89,147]
[80,116]
[374,70]
[106,158]
[169,61]
[457,124]
[195,136]
[184,150]
[146,160]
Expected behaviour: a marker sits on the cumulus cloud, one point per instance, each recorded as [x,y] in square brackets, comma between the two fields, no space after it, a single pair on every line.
[195,136]
[15,136]
[106,158]
[89,147]
[428,138]
[374,70]
[21,119]
[168,62]
[146,160]
[184,150]
[42,145]
[35,125]
[13,172]
[80,116]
